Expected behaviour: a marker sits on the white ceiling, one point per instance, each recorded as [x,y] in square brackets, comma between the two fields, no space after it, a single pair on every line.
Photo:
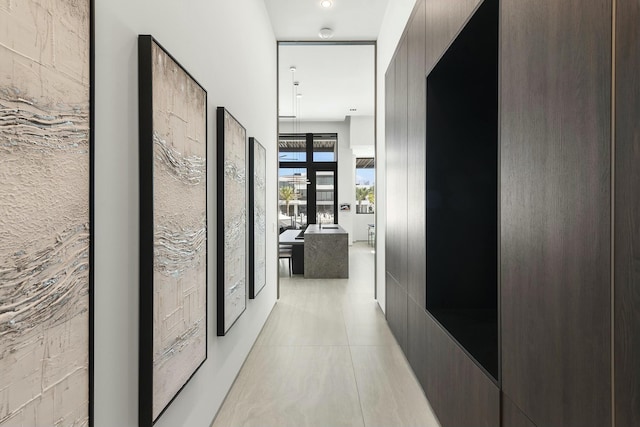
[302,19]
[332,80]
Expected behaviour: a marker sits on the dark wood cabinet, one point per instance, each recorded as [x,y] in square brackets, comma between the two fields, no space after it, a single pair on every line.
[569,216]
[453,372]
[397,311]
[418,350]
[627,214]
[462,393]
[392,167]
[416,152]
[555,210]
[400,188]
[396,161]
[462,188]
[458,390]
[512,416]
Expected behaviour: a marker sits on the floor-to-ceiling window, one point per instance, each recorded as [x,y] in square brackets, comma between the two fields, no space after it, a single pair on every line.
[307,179]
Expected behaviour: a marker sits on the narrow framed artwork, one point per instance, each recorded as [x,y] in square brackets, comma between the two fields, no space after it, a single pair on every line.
[46,212]
[232,220]
[257,217]
[173,228]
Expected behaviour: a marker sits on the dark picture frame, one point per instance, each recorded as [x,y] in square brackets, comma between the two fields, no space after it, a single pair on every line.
[173,228]
[257,217]
[47,248]
[232,224]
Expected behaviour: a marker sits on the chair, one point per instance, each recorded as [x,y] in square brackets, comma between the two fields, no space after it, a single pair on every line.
[371,234]
[286,252]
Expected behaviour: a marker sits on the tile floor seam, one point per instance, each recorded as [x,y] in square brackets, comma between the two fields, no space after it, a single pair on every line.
[305,345]
[353,369]
[365,336]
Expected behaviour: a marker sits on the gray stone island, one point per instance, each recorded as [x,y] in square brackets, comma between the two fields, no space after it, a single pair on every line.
[326,252]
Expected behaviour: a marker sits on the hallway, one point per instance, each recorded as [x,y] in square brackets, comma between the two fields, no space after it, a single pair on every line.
[326,357]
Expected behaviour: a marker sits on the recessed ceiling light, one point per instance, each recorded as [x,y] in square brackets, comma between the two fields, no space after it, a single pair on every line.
[299,95]
[325,33]
[326,3]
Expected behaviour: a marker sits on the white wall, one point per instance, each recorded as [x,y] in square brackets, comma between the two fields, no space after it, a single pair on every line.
[360,226]
[393,23]
[229,47]
[362,132]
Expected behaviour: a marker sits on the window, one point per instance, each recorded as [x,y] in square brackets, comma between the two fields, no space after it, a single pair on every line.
[365,185]
[324,147]
[307,178]
[293,148]
[292,200]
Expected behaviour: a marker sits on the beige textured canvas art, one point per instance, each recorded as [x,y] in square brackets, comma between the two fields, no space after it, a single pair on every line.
[179,217]
[259,217]
[234,283]
[44,212]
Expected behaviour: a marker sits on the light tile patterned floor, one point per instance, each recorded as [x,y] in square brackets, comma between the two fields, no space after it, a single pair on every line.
[326,358]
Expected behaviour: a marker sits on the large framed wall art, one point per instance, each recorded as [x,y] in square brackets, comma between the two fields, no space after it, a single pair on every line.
[257,217]
[232,223]
[46,214]
[173,228]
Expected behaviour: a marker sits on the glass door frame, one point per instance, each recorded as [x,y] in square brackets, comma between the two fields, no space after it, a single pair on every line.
[312,167]
[375,130]
[312,207]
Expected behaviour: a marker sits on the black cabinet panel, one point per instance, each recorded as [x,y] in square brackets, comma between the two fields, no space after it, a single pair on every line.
[416,160]
[627,215]
[555,198]
[512,416]
[462,188]
[444,19]
[392,171]
[400,188]
[396,311]
[418,349]
[396,161]
[460,393]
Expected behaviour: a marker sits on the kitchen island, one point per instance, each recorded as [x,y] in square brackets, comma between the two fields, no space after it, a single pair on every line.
[326,252]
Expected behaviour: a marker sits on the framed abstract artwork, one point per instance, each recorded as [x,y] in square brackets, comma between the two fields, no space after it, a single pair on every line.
[257,217]
[232,220]
[173,228]
[46,213]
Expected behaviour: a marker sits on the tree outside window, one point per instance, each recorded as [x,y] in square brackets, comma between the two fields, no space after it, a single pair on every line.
[365,185]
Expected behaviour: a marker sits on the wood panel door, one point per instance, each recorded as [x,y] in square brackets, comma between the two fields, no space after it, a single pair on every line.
[627,214]
[391,166]
[400,189]
[460,393]
[555,215]
[416,157]
[512,416]
[397,311]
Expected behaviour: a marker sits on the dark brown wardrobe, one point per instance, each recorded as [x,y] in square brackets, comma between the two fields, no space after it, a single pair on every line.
[513,210]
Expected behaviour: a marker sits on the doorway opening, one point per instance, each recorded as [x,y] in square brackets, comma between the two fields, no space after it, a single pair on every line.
[326,127]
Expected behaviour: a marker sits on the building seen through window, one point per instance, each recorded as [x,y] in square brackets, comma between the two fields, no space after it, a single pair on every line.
[365,185]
